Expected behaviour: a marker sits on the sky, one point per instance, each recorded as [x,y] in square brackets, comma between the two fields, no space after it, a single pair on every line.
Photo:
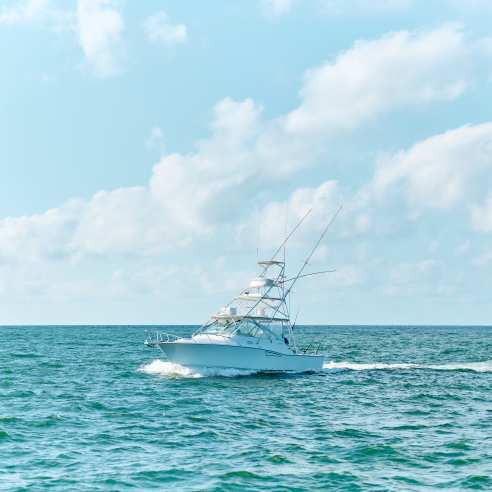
[151,151]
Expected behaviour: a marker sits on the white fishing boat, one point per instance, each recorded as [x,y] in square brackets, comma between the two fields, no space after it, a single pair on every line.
[254,331]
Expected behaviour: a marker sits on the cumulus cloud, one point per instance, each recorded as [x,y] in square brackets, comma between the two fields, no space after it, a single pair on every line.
[440,171]
[43,12]
[99,27]
[160,30]
[482,214]
[233,172]
[40,236]
[271,221]
[226,167]
[398,70]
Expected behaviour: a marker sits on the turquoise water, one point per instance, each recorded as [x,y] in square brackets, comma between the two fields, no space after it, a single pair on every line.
[395,408]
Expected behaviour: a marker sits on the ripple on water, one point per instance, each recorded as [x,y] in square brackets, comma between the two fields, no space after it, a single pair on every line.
[162,475]
[48,421]
[397,409]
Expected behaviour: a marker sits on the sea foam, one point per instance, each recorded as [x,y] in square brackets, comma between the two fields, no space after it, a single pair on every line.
[354,366]
[170,369]
[485,366]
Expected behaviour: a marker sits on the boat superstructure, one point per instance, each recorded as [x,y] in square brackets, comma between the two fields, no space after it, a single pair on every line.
[254,330]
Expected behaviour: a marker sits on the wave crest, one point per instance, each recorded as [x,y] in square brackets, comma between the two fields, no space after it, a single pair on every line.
[170,369]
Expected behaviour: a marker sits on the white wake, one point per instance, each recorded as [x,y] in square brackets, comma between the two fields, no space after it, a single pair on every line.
[485,366]
[170,369]
[354,366]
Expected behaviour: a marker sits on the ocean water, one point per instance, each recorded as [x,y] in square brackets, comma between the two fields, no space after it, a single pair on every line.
[395,408]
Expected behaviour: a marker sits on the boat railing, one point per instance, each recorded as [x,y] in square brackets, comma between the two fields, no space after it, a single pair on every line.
[155,338]
[312,348]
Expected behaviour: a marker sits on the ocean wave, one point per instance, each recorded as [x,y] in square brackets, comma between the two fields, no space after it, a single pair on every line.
[485,366]
[170,369]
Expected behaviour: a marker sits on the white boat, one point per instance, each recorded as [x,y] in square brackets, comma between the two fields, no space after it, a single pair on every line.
[254,331]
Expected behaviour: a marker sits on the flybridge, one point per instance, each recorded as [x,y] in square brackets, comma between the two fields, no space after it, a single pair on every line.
[266,299]
[263,300]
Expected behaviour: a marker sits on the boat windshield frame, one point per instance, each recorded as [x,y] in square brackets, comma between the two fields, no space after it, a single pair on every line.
[230,328]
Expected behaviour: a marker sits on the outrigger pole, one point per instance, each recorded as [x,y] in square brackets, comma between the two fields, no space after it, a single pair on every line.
[290,234]
[309,274]
[281,273]
[306,261]
[265,268]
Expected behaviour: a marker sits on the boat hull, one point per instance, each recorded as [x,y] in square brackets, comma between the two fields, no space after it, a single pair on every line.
[239,357]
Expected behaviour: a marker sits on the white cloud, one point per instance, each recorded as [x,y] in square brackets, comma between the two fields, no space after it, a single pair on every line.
[193,188]
[25,11]
[441,171]
[363,7]
[277,8]
[40,236]
[482,214]
[187,196]
[269,224]
[235,170]
[271,221]
[123,221]
[160,30]
[99,26]
[398,70]
[43,12]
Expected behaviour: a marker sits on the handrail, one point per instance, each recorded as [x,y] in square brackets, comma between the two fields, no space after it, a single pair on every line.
[311,348]
[157,337]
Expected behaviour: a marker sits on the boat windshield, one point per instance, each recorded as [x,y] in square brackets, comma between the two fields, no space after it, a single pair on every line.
[250,328]
[219,328]
[244,327]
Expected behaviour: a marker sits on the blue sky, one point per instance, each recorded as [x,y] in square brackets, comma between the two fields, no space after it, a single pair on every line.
[149,148]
